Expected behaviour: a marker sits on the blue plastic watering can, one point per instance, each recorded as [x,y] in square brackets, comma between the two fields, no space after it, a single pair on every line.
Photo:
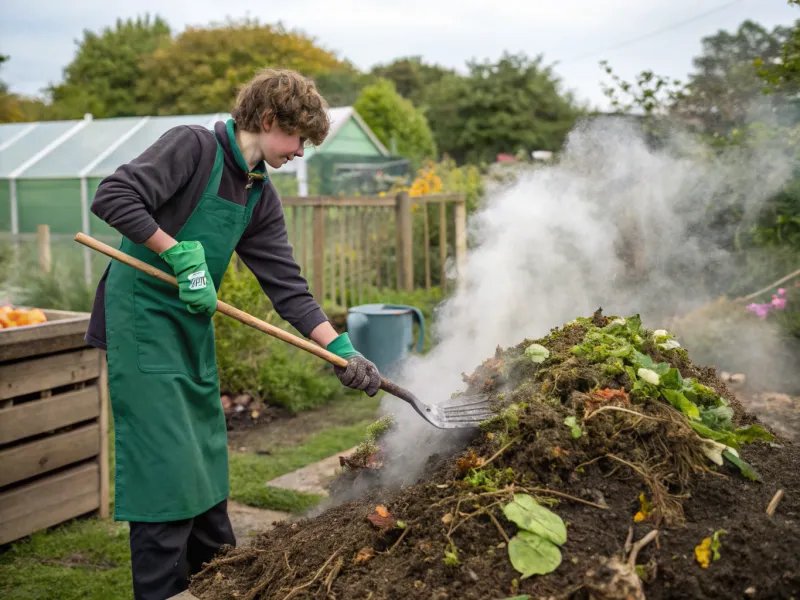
[384,333]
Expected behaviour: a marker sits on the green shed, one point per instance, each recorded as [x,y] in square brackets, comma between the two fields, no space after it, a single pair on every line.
[50,170]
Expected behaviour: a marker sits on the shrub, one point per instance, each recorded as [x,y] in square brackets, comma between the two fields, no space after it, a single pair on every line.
[267,368]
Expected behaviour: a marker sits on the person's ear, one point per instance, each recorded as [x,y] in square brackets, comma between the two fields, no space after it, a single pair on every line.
[266,121]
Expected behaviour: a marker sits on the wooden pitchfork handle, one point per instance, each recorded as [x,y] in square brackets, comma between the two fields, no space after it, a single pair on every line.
[222,307]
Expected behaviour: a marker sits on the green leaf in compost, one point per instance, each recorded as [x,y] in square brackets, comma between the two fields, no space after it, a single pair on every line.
[572,423]
[753,433]
[746,468]
[725,437]
[532,554]
[535,518]
[537,353]
[642,361]
[634,324]
[672,380]
[682,403]
[717,418]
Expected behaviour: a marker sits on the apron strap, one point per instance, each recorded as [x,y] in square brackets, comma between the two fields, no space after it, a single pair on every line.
[216,171]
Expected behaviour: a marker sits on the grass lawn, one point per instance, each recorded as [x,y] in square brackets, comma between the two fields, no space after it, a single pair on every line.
[88,559]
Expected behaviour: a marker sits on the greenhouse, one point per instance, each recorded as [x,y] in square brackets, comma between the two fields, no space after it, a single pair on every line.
[50,170]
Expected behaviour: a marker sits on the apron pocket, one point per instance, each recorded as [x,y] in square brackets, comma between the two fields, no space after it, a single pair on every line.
[170,339]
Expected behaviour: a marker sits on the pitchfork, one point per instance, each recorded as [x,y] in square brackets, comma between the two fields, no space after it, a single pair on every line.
[457,412]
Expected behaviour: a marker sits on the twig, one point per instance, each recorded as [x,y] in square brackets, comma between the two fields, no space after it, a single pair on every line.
[629,541]
[773,505]
[588,462]
[260,587]
[333,574]
[480,511]
[400,539]
[313,579]
[639,545]
[634,467]
[499,452]
[499,528]
[223,561]
[625,410]
[769,287]
[443,501]
[563,495]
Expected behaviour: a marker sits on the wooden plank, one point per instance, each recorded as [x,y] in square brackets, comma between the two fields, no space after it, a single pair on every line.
[304,235]
[352,255]
[319,254]
[461,238]
[104,456]
[337,201]
[295,224]
[332,259]
[405,243]
[377,223]
[63,330]
[426,235]
[443,198]
[362,252]
[35,458]
[369,201]
[48,501]
[48,372]
[342,259]
[443,245]
[40,416]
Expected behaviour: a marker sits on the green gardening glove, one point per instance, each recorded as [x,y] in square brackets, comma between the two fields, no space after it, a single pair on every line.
[195,286]
[360,373]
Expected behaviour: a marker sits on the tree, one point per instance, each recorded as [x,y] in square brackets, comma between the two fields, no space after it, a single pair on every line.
[102,78]
[396,121]
[726,82]
[412,78]
[15,108]
[203,68]
[343,85]
[783,75]
[509,106]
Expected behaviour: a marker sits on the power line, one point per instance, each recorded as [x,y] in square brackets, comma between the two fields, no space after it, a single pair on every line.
[651,34]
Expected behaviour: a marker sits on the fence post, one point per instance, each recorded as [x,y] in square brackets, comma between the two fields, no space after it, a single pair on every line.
[319,254]
[43,237]
[405,242]
[461,235]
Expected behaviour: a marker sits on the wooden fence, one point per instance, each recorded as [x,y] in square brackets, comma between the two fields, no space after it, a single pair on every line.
[346,245]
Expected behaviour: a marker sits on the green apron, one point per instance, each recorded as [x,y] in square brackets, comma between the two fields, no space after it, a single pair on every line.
[170,435]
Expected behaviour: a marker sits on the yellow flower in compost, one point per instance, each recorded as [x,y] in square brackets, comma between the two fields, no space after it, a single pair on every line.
[703,553]
[646,509]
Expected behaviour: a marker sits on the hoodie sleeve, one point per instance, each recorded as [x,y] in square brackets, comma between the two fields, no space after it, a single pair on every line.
[127,199]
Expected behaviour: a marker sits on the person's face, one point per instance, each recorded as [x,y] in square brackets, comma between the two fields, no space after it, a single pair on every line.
[279,147]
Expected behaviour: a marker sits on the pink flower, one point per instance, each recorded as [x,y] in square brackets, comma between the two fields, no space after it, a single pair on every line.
[778,303]
[761,310]
[781,291]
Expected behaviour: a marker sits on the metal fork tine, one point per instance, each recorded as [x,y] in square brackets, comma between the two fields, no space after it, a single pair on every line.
[463,409]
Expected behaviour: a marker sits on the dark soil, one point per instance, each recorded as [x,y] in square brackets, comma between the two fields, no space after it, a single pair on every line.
[593,483]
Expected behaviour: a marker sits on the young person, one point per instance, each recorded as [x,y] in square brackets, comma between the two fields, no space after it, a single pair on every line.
[185,205]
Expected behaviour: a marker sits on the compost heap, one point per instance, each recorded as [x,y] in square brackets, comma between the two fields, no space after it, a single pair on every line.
[614,469]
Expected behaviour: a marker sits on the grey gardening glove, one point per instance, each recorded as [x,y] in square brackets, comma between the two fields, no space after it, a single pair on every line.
[360,373]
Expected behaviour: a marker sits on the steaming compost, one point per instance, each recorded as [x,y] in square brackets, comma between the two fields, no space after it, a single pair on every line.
[614,469]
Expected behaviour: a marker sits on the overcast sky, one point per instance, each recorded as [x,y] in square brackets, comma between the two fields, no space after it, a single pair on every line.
[40,35]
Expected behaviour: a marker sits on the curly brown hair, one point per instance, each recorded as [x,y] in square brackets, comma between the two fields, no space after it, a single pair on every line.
[287,96]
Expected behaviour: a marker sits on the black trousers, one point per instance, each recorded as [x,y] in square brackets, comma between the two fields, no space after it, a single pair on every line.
[164,555]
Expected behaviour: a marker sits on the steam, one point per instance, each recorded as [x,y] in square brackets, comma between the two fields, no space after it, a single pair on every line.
[562,241]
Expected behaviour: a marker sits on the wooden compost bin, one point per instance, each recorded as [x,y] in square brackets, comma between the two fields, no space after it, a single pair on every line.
[53,425]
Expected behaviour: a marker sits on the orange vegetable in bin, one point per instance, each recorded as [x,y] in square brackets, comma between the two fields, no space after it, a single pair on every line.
[19,317]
